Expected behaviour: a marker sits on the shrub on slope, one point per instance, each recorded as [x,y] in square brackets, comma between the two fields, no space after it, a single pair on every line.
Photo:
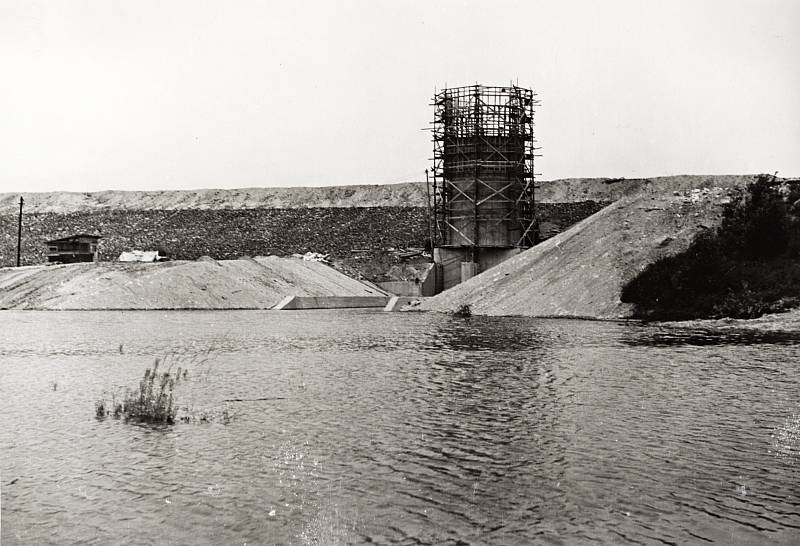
[747,267]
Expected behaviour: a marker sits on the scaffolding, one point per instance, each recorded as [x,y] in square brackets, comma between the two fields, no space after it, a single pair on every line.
[483,159]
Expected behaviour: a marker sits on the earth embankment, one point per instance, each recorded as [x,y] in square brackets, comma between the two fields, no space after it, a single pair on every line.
[249,283]
[573,190]
[581,272]
[407,194]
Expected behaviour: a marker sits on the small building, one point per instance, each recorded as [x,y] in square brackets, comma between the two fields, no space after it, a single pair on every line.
[73,249]
[140,256]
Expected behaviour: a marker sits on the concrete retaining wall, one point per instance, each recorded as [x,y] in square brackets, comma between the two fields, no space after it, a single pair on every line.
[424,286]
[402,288]
[396,303]
[291,303]
[452,260]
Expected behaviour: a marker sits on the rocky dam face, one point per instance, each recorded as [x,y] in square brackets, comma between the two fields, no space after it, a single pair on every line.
[222,233]
[356,225]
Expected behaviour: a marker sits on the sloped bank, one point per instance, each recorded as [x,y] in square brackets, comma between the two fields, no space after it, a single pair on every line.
[581,272]
[247,283]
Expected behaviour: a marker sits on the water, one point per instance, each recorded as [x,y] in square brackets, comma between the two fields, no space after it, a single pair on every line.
[400,429]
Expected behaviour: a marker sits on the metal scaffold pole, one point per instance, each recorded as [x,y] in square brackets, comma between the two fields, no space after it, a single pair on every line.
[430,219]
[19,231]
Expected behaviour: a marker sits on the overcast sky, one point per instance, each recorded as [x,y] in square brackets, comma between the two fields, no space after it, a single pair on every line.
[141,94]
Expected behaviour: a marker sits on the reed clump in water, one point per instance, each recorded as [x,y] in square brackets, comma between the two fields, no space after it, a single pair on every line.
[152,401]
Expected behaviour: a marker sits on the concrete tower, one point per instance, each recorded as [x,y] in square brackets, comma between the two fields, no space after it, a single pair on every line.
[483,178]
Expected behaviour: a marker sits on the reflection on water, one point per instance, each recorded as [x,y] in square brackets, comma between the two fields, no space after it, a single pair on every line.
[363,427]
[660,336]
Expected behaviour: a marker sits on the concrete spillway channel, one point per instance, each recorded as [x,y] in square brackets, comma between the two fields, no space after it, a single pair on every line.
[388,303]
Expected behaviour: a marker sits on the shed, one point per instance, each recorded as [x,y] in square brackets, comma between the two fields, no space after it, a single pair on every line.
[75,248]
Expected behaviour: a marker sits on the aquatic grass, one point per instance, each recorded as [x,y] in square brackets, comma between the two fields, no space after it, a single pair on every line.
[100,408]
[154,400]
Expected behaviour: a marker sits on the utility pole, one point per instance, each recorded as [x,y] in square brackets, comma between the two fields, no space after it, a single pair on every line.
[19,229]
[430,219]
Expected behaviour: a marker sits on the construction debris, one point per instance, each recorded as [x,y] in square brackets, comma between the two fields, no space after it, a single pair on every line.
[139,256]
[313,257]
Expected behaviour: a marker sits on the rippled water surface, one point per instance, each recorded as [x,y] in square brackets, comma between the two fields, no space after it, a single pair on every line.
[399,429]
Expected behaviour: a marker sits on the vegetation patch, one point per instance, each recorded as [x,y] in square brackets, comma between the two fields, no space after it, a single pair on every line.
[155,399]
[747,267]
[151,402]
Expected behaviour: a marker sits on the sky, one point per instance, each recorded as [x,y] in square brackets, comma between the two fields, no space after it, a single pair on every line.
[186,94]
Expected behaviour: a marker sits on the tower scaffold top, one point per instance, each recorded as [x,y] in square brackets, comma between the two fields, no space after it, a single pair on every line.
[483,167]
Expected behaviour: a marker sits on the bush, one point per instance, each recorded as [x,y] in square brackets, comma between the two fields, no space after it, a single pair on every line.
[749,266]
[762,222]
